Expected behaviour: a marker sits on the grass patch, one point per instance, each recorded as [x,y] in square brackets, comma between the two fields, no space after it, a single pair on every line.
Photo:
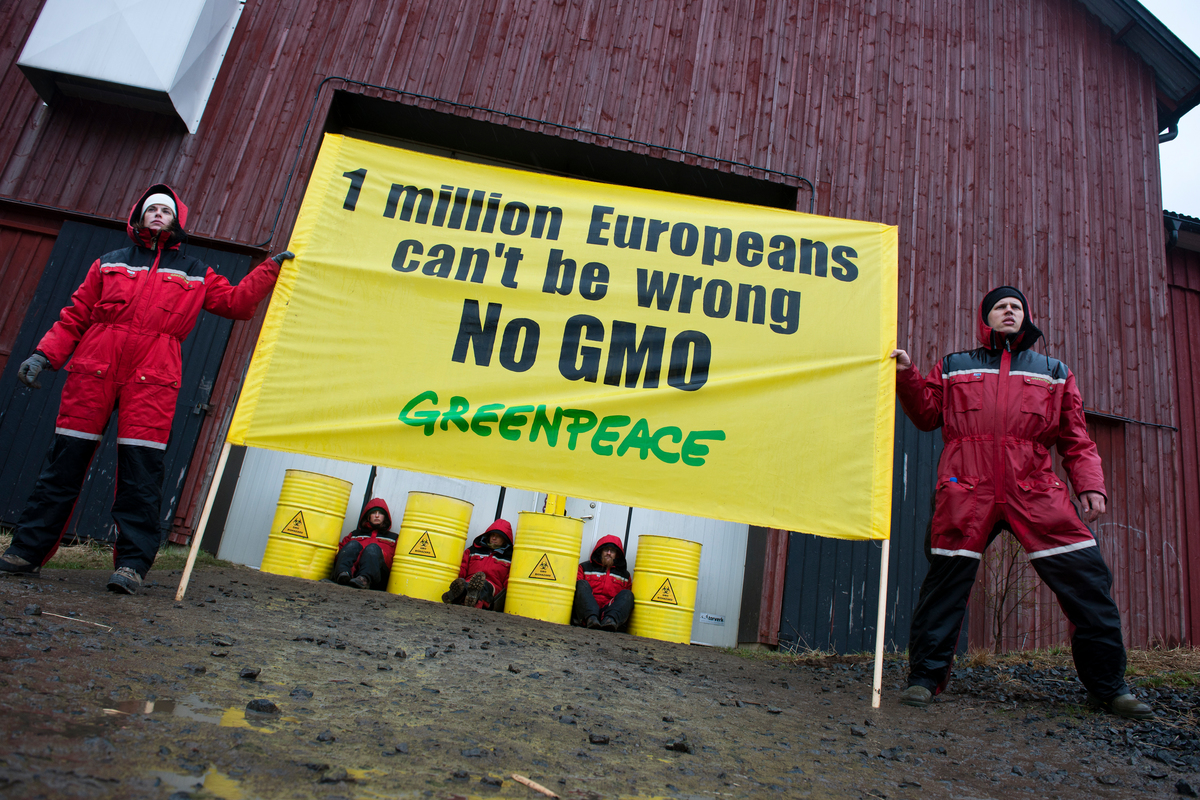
[763,654]
[1176,667]
[791,655]
[1175,680]
[98,555]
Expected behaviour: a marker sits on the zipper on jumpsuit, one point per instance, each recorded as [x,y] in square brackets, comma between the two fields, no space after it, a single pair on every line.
[139,311]
[998,443]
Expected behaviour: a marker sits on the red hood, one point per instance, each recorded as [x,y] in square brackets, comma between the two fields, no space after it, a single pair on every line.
[371,506]
[619,561]
[501,526]
[170,239]
[1021,340]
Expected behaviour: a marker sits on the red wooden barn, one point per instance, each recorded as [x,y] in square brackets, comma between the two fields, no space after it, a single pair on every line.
[1011,142]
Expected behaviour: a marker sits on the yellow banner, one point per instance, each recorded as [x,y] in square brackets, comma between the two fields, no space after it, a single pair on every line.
[638,347]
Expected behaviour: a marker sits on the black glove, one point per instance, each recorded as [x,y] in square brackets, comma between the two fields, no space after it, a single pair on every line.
[30,368]
[282,257]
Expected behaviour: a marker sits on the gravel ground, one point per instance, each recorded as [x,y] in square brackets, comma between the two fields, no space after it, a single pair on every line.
[369,695]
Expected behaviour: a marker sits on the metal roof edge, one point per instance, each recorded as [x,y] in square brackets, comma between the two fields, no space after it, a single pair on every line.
[1185,222]
[1182,231]
[1158,46]
[1182,217]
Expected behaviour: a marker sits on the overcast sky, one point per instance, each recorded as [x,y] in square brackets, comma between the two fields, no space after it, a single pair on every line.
[1181,158]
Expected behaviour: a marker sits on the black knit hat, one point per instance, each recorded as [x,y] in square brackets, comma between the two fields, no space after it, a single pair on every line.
[1028,334]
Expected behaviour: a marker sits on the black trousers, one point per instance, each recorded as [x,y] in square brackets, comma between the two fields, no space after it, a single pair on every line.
[1079,579]
[359,560]
[135,508]
[585,606]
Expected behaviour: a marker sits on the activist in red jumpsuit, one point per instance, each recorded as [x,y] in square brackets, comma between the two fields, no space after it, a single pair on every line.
[364,556]
[1001,407]
[603,594]
[482,580]
[120,343]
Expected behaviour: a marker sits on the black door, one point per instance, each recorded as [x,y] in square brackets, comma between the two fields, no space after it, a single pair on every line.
[831,593]
[27,415]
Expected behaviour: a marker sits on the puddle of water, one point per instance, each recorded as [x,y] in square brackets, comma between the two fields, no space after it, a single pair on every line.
[212,782]
[192,707]
[28,721]
[189,707]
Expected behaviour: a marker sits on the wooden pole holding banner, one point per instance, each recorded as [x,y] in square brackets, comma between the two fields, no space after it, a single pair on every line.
[198,534]
[880,624]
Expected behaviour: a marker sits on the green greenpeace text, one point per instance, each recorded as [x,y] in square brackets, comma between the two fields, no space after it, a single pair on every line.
[610,435]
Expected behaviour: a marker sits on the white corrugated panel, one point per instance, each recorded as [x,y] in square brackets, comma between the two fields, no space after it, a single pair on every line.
[261,478]
[253,506]
[722,559]
[393,485]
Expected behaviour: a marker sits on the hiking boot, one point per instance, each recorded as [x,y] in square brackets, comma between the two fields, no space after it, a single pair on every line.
[15,565]
[1123,705]
[125,581]
[592,623]
[342,579]
[474,588]
[609,624]
[360,582]
[917,696]
[457,588]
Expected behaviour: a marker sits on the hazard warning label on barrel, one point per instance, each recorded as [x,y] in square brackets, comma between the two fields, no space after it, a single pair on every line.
[665,594]
[543,571]
[423,547]
[296,526]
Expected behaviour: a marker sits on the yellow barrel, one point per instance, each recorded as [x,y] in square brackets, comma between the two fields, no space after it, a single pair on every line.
[307,526]
[664,588]
[541,583]
[430,545]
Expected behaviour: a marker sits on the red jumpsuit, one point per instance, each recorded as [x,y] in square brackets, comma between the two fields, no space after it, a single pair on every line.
[120,343]
[368,550]
[493,563]
[604,593]
[1001,408]
[123,329]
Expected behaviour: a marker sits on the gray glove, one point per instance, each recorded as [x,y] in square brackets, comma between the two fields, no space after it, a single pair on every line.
[30,368]
[279,258]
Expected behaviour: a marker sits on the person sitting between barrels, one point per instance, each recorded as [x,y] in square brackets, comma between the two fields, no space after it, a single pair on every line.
[364,557]
[603,598]
[482,578]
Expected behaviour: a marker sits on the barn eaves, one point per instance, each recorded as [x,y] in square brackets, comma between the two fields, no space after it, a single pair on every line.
[1182,231]
[1176,67]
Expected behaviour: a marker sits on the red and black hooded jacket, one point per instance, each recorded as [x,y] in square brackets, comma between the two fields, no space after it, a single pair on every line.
[1002,408]
[605,582]
[494,564]
[127,319]
[381,536]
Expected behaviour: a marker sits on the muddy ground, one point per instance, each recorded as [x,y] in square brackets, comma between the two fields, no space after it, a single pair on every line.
[385,696]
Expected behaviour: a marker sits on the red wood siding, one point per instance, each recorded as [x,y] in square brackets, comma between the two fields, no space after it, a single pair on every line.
[1011,142]
[1184,271]
[774,576]
[25,245]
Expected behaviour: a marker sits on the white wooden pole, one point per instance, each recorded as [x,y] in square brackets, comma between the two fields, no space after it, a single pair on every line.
[880,624]
[198,534]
